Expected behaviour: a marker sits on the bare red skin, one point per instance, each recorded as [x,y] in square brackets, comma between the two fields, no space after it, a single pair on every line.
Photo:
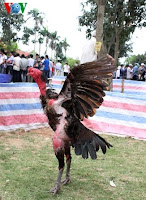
[42,86]
[36,74]
[57,143]
[51,102]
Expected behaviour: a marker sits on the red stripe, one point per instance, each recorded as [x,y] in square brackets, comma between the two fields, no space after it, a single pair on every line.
[124,106]
[22,119]
[130,87]
[19,95]
[114,128]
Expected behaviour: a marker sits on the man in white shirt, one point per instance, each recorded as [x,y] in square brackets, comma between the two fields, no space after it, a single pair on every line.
[129,71]
[23,67]
[3,59]
[58,68]
[66,69]
[16,69]
[10,62]
[89,53]
[30,61]
[30,64]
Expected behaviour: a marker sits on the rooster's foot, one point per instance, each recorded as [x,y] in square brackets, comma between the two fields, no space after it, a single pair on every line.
[55,189]
[65,181]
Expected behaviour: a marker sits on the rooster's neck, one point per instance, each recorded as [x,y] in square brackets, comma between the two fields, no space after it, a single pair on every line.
[41,85]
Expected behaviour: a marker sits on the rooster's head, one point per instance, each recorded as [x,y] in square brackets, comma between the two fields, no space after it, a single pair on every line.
[35,73]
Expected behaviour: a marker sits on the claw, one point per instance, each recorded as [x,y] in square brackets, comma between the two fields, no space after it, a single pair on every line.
[55,190]
[65,181]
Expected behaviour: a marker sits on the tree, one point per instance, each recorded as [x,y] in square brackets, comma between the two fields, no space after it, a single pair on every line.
[53,44]
[72,62]
[140,58]
[120,20]
[46,35]
[99,29]
[59,52]
[65,45]
[34,31]
[10,25]
[40,40]
[9,48]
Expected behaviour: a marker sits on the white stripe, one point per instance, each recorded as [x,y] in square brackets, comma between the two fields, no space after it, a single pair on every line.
[21,112]
[19,89]
[19,101]
[119,122]
[136,90]
[124,100]
[121,111]
[24,126]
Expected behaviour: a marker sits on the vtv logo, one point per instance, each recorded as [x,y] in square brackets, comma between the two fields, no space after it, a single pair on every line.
[15,7]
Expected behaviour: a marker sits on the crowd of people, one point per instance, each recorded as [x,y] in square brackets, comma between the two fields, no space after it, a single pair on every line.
[131,72]
[17,65]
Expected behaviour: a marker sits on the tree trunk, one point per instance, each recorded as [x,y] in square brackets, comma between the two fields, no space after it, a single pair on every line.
[40,48]
[35,41]
[99,30]
[116,54]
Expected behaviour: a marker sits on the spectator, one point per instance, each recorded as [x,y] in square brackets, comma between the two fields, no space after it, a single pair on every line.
[30,64]
[122,69]
[16,69]
[41,67]
[141,72]
[37,61]
[145,73]
[23,67]
[135,72]
[118,72]
[3,59]
[89,53]
[10,62]
[58,68]
[30,61]
[46,69]
[129,72]
[51,67]
[66,69]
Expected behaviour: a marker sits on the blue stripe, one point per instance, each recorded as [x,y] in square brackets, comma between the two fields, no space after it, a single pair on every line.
[56,86]
[59,77]
[129,82]
[123,117]
[131,92]
[20,107]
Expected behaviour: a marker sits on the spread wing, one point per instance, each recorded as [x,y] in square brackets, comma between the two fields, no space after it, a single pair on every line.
[84,87]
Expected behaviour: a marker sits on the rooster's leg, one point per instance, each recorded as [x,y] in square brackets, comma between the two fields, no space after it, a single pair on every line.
[68,163]
[60,157]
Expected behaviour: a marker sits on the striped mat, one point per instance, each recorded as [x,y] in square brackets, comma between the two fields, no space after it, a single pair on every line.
[120,113]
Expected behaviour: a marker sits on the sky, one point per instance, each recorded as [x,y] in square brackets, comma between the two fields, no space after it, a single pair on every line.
[62,16]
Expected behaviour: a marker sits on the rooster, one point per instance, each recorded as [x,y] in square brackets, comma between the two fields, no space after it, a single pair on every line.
[80,96]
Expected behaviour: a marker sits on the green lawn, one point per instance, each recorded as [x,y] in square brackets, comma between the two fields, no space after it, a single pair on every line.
[28,169]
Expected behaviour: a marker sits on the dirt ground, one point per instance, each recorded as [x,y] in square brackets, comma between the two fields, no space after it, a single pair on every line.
[13,138]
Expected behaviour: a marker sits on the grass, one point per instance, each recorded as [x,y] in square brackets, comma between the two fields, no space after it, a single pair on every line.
[28,169]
